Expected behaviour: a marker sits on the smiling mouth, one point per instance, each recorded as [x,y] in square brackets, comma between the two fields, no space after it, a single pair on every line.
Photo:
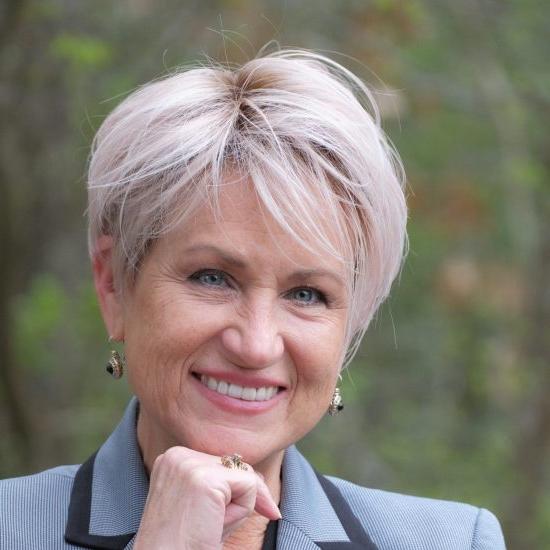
[238,392]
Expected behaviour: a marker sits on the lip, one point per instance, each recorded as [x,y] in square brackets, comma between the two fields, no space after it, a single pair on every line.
[239,406]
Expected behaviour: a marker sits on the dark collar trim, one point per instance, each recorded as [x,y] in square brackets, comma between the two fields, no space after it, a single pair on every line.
[357,535]
[78,522]
[270,536]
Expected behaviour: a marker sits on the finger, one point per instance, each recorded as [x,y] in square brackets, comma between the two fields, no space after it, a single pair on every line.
[249,492]
[265,504]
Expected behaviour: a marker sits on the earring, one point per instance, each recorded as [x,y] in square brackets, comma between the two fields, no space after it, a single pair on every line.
[115,366]
[336,404]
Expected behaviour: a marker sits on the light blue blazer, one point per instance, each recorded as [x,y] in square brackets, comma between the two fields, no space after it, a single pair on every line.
[99,505]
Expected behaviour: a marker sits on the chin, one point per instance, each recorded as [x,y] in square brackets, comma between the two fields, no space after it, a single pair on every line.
[223,442]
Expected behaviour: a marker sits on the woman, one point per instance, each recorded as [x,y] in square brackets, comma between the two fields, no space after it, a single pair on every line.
[244,227]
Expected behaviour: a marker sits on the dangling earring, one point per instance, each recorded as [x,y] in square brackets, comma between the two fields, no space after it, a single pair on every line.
[336,404]
[115,366]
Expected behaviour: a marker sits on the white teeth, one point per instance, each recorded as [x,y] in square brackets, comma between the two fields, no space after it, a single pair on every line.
[249,394]
[239,392]
[234,391]
[261,394]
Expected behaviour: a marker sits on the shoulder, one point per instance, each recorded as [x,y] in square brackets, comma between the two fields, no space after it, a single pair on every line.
[37,490]
[401,521]
[33,509]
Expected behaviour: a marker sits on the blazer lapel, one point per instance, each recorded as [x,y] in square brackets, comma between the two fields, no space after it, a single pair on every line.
[315,514]
[357,535]
[109,491]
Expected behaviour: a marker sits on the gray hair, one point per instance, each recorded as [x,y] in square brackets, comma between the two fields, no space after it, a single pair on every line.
[304,128]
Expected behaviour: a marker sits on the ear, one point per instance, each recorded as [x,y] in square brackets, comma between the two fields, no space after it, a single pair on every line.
[110,300]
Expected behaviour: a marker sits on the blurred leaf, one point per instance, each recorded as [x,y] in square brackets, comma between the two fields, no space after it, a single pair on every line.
[38,315]
[82,51]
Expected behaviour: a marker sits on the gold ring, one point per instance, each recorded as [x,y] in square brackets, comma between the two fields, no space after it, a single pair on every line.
[234,462]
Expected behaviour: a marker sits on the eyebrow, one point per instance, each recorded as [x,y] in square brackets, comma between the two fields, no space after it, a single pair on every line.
[298,275]
[222,254]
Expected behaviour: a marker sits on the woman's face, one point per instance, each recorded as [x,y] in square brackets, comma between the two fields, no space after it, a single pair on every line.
[234,333]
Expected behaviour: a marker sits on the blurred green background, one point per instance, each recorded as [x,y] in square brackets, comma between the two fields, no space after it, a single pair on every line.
[450,394]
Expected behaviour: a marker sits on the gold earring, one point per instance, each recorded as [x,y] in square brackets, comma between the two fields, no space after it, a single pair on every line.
[336,403]
[115,366]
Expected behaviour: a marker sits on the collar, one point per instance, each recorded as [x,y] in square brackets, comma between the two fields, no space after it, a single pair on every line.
[110,490]
[315,514]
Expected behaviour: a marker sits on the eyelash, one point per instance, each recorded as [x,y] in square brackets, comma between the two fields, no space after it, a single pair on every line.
[196,278]
[322,298]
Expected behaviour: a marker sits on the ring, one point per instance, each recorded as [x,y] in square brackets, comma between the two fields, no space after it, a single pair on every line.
[233,462]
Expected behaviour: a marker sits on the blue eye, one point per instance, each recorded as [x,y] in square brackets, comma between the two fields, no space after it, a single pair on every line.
[210,278]
[307,296]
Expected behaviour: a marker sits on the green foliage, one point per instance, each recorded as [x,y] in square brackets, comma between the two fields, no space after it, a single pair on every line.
[38,315]
[82,51]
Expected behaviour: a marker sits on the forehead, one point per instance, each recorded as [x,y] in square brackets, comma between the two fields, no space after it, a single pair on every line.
[238,217]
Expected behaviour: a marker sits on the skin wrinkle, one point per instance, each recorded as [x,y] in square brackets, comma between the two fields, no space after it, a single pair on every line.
[333,287]
[242,264]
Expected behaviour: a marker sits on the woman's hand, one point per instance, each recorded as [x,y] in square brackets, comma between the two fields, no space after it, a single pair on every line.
[194,502]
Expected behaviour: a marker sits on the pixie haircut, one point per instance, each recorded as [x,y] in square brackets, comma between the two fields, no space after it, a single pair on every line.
[305,131]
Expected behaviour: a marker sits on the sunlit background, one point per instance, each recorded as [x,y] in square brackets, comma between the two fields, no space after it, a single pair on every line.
[450,394]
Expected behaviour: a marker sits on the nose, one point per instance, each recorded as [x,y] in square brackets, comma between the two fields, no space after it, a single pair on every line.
[253,338]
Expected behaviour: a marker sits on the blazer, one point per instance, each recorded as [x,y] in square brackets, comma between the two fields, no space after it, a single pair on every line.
[99,505]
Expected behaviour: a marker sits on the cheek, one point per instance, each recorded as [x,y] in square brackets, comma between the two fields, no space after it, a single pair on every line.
[318,356]
[317,363]
[162,316]
[161,335]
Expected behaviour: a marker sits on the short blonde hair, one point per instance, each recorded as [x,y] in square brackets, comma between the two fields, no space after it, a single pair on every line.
[305,129]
